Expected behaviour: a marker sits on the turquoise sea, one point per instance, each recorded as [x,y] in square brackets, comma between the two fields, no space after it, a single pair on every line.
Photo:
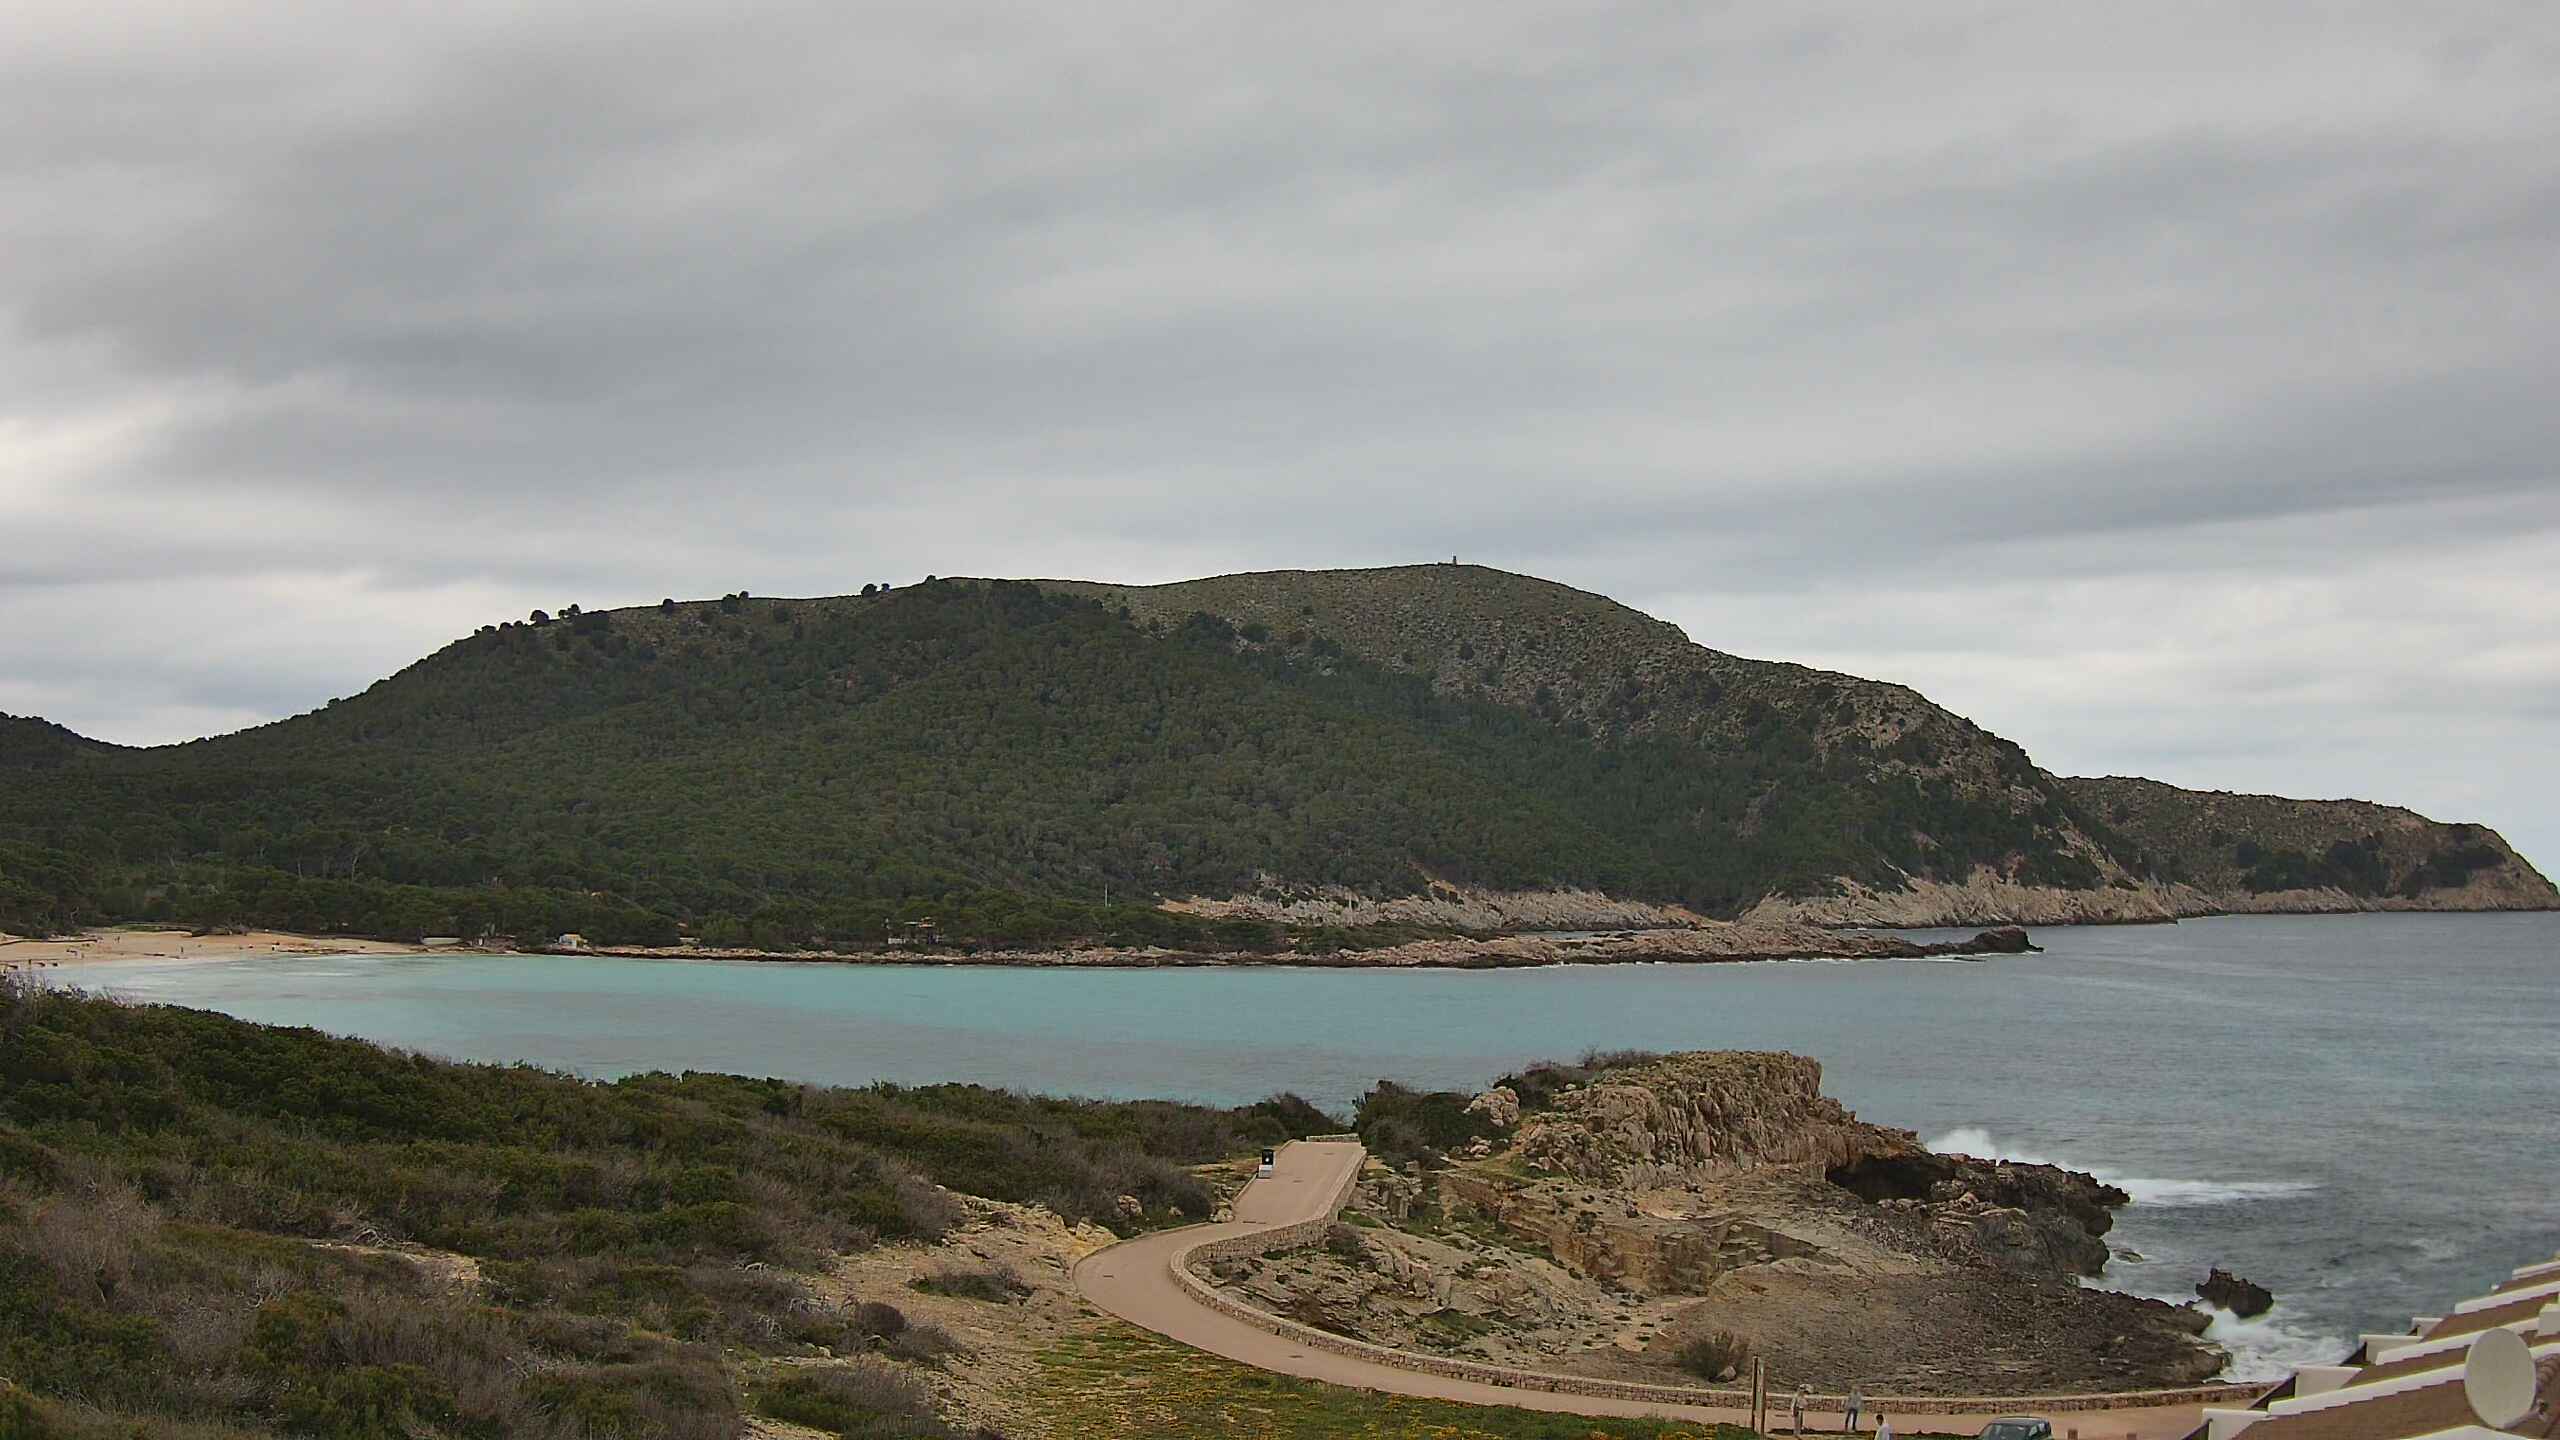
[2360,1112]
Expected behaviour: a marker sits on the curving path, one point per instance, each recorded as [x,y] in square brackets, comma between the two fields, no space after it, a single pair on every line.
[1134,1281]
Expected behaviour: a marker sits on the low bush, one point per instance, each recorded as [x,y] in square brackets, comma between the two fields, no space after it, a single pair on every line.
[879,1319]
[998,1284]
[1538,1085]
[922,1342]
[858,1398]
[1718,1355]
[1400,1125]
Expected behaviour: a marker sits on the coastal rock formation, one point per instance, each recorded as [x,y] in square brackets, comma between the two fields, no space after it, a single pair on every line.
[1704,943]
[1705,1110]
[2032,1216]
[1643,1200]
[1442,904]
[2001,940]
[2243,1298]
[1687,1117]
[2215,854]
[1387,1194]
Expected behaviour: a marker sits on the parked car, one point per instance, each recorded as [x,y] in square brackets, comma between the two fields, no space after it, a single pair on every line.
[2018,1427]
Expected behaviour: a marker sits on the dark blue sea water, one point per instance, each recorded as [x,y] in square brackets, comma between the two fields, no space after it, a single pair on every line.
[2361,1113]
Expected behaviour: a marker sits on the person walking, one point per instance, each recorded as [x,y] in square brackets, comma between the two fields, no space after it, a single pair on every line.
[1856,1405]
[1884,1427]
[1803,1397]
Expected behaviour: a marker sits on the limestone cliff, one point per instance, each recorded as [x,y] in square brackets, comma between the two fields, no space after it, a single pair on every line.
[1707,1116]
[1621,1209]
[1709,1110]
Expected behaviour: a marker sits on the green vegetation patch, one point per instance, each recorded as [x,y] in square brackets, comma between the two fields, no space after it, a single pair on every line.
[277,1231]
[1125,1381]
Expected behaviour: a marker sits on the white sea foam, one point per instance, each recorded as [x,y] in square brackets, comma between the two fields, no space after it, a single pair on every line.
[2145,1190]
[2268,1348]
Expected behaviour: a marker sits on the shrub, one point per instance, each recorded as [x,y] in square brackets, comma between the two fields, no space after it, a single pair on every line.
[998,1284]
[1538,1085]
[879,1319]
[923,1343]
[862,1397]
[1716,1355]
[1399,1125]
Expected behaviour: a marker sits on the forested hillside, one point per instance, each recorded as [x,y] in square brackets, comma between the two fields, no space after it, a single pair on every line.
[1037,763]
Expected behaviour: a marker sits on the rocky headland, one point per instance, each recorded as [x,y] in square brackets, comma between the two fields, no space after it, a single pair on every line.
[1707,942]
[1606,1224]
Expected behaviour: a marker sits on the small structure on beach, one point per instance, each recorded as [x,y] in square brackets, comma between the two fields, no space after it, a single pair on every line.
[914,932]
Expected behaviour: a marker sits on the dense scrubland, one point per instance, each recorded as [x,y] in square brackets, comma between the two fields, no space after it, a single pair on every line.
[993,756]
[212,1228]
[1039,765]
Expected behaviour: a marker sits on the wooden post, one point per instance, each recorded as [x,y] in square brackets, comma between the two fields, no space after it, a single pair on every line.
[1759,1396]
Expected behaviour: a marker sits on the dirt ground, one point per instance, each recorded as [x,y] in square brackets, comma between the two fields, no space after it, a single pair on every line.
[1827,1289]
[990,1382]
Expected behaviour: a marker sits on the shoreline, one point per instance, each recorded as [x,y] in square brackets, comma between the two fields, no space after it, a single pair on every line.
[114,944]
[1725,943]
[1713,943]
[1741,944]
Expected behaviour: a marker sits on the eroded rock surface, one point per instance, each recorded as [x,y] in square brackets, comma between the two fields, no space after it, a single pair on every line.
[1669,1197]
[2243,1298]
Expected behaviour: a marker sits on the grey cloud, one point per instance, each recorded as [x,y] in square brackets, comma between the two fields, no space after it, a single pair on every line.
[1745,315]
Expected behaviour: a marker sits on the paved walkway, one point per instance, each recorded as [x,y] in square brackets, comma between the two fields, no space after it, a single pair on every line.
[1134,1280]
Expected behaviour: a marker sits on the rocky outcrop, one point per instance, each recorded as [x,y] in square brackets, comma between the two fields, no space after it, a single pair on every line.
[1655,1123]
[1708,942]
[2027,1217]
[1500,1106]
[1454,907]
[1387,1195]
[1642,1200]
[1985,898]
[2004,940]
[2243,1298]
[1689,1117]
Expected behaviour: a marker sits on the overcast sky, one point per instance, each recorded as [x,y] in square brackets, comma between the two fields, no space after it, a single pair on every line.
[2173,389]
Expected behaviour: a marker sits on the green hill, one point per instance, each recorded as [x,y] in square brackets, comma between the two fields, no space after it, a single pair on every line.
[1040,762]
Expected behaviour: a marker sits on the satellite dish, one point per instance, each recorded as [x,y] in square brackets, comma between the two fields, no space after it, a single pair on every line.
[2498,1379]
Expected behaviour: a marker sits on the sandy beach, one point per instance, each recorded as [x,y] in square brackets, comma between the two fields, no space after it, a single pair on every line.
[100,947]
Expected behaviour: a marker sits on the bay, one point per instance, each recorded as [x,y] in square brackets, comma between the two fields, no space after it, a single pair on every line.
[2360,1112]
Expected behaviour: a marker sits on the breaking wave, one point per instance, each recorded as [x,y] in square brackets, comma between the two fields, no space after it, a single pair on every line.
[2266,1348]
[2145,1190]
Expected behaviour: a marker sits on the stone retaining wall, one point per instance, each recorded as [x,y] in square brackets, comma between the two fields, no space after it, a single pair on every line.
[1311,1232]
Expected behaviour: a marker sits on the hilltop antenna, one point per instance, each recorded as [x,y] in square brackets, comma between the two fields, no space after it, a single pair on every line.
[2498,1379]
